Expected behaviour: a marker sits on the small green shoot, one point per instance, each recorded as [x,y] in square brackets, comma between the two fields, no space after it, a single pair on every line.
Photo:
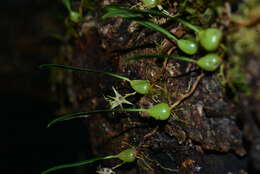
[126,156]
[209,62]
[140,86]
[189,47]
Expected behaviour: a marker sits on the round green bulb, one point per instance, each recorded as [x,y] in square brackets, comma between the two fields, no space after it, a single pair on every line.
[160,111]
[141,86]
[75,16]
[151,3]
[210,62]
[189,47]
[127,155]
[210,38]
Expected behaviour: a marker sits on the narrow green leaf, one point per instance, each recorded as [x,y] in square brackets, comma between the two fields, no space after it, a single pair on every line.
[83,69]
[157,28]
[77,115]
[87,113]
[119,12]
[163,56]
[149,12]
[76,164]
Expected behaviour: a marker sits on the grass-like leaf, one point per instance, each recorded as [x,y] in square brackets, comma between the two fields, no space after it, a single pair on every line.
[76,115]
[87,113]
[135,11]
[119,12]
[163,56]
[83,69]
[76,164]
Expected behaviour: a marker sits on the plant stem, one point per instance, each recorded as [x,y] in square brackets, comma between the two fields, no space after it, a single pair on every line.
[84,69]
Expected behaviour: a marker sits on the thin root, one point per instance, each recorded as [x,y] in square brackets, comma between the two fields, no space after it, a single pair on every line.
[185,96]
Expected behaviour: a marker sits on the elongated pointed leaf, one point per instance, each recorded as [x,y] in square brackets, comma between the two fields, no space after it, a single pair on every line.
[76,164]
[83,69]
[77,115]
[157,28]
[87,113]
[145,12]
[157,13]
[163,56]
[113,12]
[119,12]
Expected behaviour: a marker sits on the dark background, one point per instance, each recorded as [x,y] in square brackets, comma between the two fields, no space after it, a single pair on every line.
[27,101]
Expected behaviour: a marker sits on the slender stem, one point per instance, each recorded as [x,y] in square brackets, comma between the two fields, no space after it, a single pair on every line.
[187,24]
[76,164]
[84,69]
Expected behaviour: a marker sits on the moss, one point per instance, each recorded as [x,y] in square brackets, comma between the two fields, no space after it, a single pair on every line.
[243,45]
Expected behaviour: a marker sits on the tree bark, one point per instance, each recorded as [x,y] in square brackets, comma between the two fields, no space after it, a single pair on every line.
[208,132]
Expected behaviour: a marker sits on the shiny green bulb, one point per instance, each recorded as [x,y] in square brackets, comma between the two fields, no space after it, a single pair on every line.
[151,3]
[210,62]
[189,47]
[127,155]
[141,86]
[160,111]
[210,38]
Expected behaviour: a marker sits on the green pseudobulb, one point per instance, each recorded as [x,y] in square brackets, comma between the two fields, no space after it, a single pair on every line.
[140,86]
[160,111]
[189,47]
[210,38]
[151,3]
[127,155]
[210,62]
